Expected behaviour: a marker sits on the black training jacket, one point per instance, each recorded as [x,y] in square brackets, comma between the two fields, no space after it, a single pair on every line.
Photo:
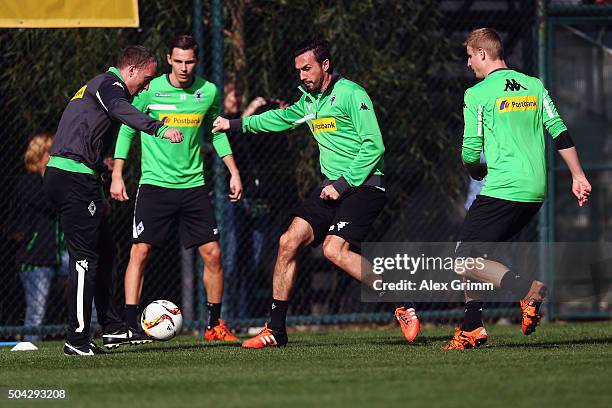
[90,122]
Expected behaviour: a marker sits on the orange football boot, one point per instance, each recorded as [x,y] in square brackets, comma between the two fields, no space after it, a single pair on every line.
[409,322]
[530,316]
[530,307]
[220,332]
[266,338]
[463,340]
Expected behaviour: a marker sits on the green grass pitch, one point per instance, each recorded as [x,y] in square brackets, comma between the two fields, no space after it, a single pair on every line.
[560,365]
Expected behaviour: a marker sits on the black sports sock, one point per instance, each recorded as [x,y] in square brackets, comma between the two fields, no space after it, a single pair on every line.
[131,316]
[278,315]
[473,316]
[513,282]
[214,312]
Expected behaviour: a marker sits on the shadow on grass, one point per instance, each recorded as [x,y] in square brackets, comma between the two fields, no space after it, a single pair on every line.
[173,347]
[421,341]
[554,344]
[395,341]
[426,341]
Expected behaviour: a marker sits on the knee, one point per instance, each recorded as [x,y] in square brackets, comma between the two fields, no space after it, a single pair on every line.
[332,251]
[211,254]
[140,253]
[288,244]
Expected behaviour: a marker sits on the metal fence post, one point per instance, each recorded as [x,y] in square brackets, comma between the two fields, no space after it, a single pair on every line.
[219,190]
[546,216]
[198,33]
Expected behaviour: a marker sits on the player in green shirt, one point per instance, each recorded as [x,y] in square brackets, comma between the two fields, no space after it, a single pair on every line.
[505,114]
[172,184]
[340,213]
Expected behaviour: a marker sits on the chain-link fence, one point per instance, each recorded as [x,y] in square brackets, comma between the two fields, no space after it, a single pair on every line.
[408,55]
[579,74]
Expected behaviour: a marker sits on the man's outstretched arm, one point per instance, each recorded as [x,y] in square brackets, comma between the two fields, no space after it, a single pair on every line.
[580,185]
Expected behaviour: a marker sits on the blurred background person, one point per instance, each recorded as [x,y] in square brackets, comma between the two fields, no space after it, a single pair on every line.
[247,222]
[40,254]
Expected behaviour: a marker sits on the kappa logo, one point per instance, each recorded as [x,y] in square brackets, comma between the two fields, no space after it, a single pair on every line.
[512,85]
[92,208]
[363,106]
[339,225]
[342,224]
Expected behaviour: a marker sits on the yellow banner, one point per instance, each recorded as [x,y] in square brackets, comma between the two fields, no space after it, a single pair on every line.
[68,13]
[324,125]
[181,119]
[517,103]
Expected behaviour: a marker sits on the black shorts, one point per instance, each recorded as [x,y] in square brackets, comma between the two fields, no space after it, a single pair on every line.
[349,218]
[493,220]
[157,208]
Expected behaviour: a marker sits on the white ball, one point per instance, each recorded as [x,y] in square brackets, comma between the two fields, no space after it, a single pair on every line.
[161,320]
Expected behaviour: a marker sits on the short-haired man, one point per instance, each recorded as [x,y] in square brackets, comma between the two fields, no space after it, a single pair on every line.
[172,184]
[505,114]
[341,117]
[84,138]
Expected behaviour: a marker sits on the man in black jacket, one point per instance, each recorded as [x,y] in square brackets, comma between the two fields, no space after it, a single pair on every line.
[85,136]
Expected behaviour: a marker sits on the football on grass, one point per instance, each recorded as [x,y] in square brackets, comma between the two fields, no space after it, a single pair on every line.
[161,320]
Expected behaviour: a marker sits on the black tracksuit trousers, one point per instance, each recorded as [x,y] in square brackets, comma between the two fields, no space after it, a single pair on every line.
[84,211]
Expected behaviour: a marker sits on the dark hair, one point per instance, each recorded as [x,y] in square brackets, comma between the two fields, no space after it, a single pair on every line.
[136,55]
[320,47]
[184,42]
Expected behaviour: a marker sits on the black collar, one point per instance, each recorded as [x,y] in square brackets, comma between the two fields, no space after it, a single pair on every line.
[499,69]
[335,78]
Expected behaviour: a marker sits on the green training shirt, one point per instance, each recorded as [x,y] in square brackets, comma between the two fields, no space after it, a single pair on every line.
[342,121]
[191,110]
[507,113]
